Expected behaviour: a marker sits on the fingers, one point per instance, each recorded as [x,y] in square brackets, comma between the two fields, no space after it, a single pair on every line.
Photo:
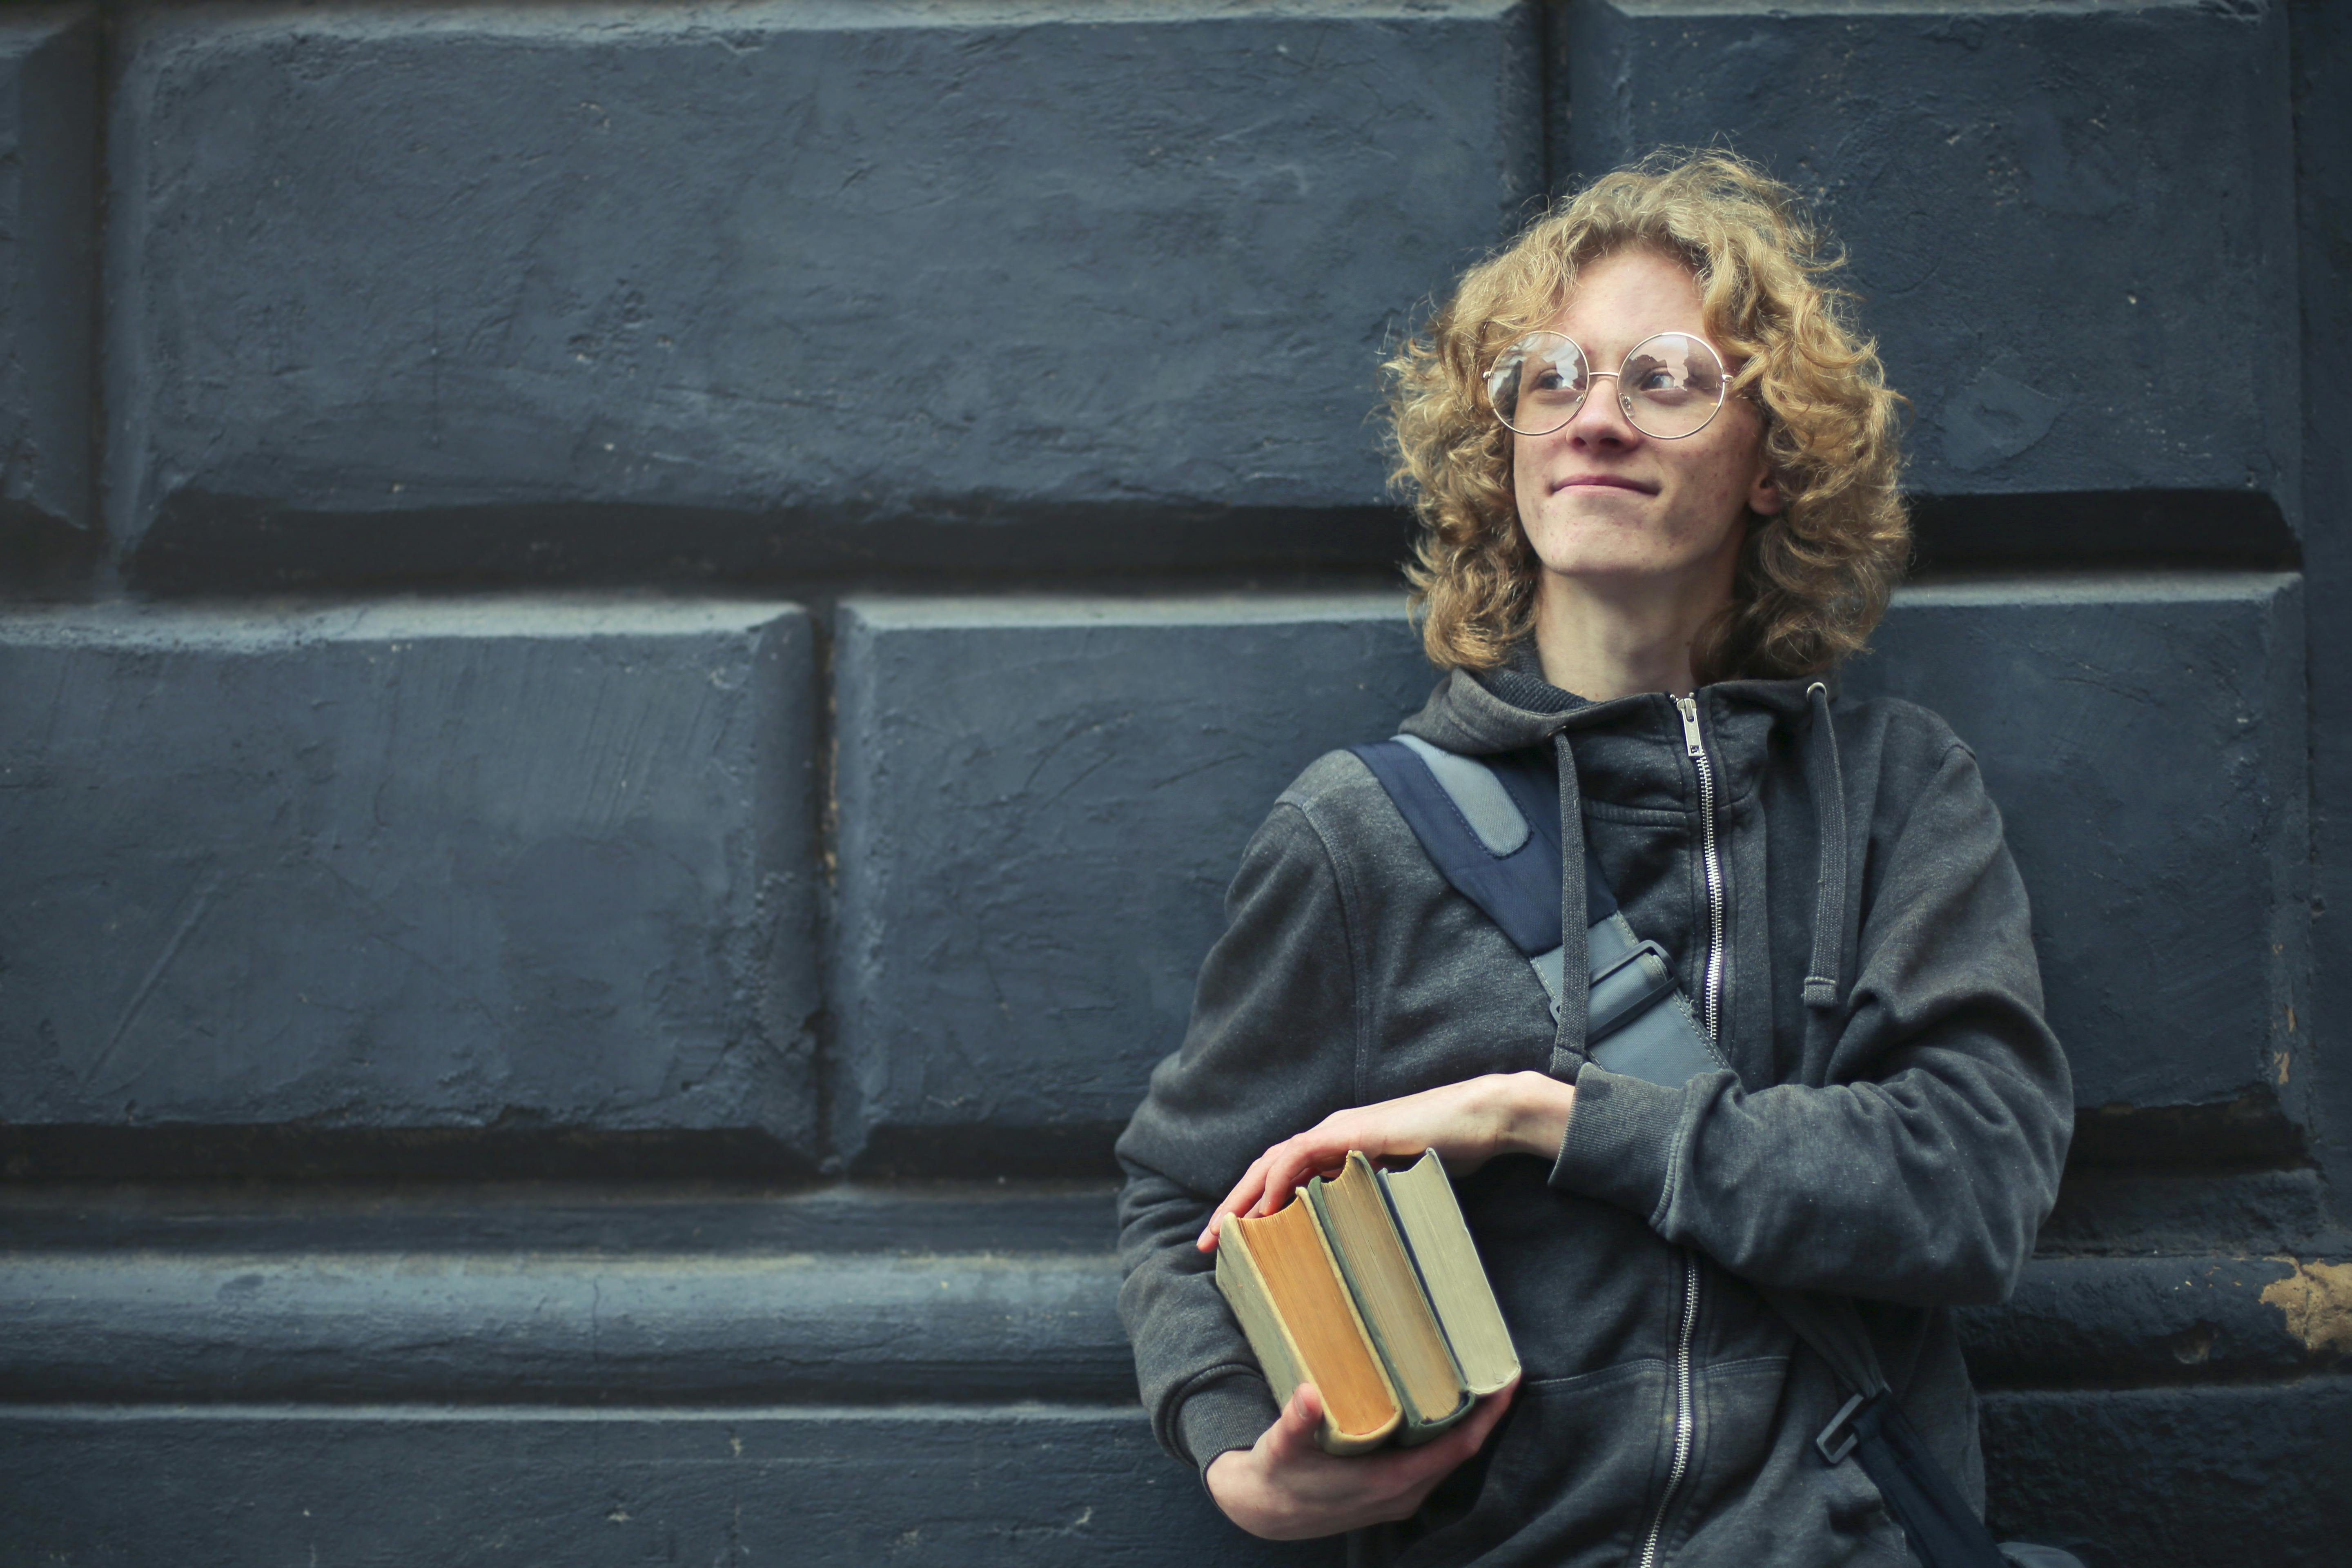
[1432,1462]
[1480,1422]
[1291,1489]
[1301,1417]
[1290,1162]
[1270,1181]
[1242,1200]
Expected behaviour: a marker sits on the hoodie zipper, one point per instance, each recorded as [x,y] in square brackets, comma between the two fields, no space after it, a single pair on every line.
[1710,1003]
[1685,1418]
[1711,974]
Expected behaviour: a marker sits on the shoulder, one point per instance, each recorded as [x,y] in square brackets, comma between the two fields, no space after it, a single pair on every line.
[1339,812]
[1335,783]
[1900,739]
[1902,723]
[1905,768]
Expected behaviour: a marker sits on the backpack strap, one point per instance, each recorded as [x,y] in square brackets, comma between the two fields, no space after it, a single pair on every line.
[1486,827]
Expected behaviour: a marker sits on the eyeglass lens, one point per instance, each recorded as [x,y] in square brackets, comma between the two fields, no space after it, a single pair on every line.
[1669,386]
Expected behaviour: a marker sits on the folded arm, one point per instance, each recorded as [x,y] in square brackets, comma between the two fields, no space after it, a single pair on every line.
[1920,1169]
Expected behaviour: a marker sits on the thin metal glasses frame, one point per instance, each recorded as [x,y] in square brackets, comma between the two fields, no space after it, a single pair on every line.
[1625,402]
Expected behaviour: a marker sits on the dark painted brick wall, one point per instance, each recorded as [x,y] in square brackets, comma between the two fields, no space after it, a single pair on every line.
[493,1075]
[2145,739]
[1025,888]
[2072,222]
[48,191]
[948,1485]
[409,866]
[743,286]
[1031,871]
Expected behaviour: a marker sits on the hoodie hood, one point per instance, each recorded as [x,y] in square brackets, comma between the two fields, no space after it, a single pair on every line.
[1480,717]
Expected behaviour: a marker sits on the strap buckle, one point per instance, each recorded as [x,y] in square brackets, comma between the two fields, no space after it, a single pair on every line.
[1848,1439]
[1630,955]
[1626,1008]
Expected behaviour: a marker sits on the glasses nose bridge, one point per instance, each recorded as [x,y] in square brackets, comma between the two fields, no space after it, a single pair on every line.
[1585,402]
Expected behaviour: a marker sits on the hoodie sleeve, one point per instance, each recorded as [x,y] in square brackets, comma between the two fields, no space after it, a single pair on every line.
[1271,1048]
[1921,1170]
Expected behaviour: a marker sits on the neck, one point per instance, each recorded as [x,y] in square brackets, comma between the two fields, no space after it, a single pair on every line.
[1616,636]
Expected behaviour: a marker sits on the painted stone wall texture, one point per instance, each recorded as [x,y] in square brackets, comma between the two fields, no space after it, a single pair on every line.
[2144,737]
[409,866]
[503,290]
[1031,868]
[2052,210]
[637,641]
[48,199]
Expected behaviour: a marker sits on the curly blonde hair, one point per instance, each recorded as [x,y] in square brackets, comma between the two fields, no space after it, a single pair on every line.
[1814,578]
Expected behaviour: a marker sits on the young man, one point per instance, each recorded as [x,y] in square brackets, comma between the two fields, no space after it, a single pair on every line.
[1655,472]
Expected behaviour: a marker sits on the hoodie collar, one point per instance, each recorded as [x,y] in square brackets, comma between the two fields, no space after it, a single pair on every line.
[1515,709]
[1511,707]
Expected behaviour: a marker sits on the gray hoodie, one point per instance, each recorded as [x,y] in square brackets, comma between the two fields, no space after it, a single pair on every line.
[1893,1129]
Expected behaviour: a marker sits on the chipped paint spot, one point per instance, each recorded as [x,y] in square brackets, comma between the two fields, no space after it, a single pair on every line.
[2316,1300]
[2280,1061]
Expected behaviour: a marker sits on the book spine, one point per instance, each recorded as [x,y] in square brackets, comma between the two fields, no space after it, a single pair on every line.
[1420,1275]
[1244,1290]
[1415,1427]
[1485,1306]
[1279,1355]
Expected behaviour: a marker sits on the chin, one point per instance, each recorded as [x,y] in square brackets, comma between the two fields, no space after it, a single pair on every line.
[1607,557]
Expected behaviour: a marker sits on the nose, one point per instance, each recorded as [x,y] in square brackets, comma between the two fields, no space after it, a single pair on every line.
[1600,420]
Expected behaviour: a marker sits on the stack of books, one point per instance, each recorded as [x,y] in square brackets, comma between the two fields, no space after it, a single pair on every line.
[1368,1286]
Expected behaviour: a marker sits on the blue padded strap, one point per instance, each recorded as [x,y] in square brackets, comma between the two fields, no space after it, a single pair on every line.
[1532,780]
[1519,891]
[1636,1021]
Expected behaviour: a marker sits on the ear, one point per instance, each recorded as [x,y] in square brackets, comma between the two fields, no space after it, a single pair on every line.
[1764,497]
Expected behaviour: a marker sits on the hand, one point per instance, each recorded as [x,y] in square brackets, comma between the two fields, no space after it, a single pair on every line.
[1287,1489]
[1469,1123]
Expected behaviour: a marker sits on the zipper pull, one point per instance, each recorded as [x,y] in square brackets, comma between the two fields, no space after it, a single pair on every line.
[1691,744]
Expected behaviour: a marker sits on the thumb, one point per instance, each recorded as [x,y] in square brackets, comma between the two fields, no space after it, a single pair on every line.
[1295,1429]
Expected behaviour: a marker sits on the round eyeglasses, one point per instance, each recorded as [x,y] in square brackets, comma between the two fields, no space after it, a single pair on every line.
[1670,385]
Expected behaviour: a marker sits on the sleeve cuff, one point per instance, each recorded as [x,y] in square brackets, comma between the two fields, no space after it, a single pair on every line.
[1218,1418]
[1620,1141]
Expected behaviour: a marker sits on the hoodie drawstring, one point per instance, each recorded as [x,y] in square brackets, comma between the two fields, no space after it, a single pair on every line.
[1827,780]
[1575,961]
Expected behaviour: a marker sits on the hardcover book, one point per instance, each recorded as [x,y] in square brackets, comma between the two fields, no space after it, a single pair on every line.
[1368,1286]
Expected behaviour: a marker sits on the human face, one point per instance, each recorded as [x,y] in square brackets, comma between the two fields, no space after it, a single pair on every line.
[1606,505]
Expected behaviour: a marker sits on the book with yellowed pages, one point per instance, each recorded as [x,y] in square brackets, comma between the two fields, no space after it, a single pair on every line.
[1368,1286]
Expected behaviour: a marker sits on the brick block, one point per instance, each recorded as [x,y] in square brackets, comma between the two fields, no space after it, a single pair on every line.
[2145,738]
[2149,1318]
[529,868]
[2073,225]
[653,1326]
[229,1485]
[695,289]
[1028,876]
[48,180]
[1040,804]
[2168,1477]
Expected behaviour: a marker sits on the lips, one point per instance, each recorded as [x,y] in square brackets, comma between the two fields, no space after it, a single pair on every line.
[1605,482]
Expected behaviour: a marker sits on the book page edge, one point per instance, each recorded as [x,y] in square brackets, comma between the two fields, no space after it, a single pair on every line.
[1284,1344]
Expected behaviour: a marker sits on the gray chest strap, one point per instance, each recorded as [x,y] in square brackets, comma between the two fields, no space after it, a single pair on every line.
[1463,811]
